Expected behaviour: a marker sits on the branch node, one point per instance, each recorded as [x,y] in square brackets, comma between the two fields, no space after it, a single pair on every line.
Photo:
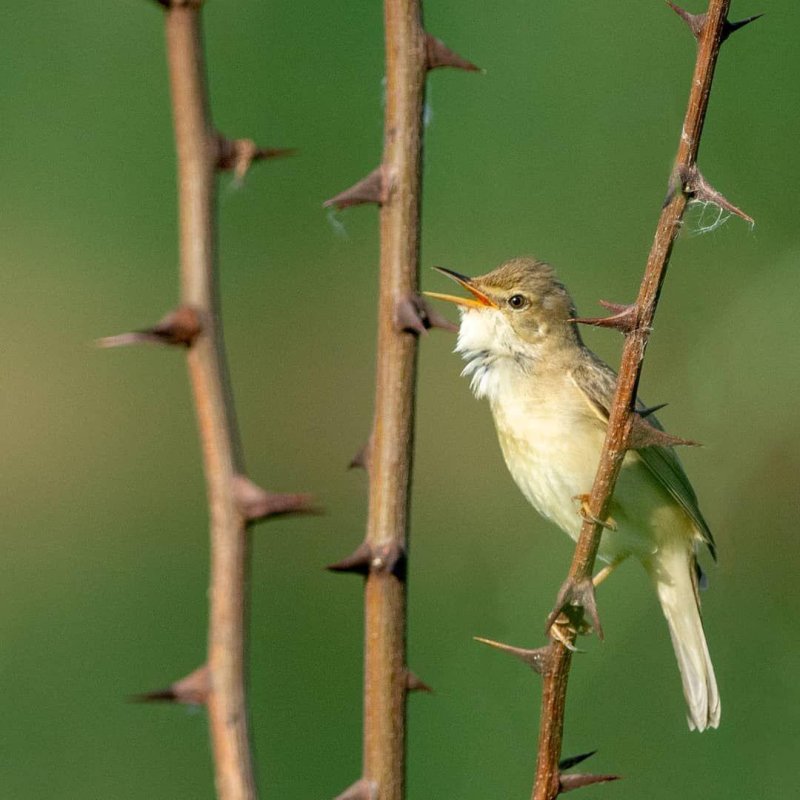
[368,190]
[257,504]
[624,319]
[239,155]
[438,54]
[180,327]
[361,790]
[415,684]
[538,660]
[389,558]
[695,185]
[191,690]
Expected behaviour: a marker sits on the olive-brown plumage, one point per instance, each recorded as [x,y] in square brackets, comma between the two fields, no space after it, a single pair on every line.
[549,396]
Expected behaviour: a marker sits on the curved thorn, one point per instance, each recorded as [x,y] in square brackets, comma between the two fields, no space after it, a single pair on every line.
[357,562]
[643,434]
[573,761]
[414,684]
[538,660]
[257,504]
[367,190]
[438,54]
[191,690]
[569,782]
[179,327]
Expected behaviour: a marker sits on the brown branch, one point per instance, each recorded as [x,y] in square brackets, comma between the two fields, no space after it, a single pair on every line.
[390,456]
[402,316]
[710,32]
[197,147]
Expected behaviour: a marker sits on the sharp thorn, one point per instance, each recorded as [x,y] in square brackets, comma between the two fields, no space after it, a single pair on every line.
[367,190]
[179,327]
[414,684]
[569,782]
[409,316]
[240,154]
[573,761]
[624,319]
[696,22]
[732,27]
[361,790]
[414,315]
[538,660]
[191,690]
[646,412]
[358,561]
[644,434]
[701,191]
[361,459]
[257,504]
[438,54]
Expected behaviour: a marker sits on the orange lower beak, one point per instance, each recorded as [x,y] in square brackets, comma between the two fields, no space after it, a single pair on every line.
[480,300]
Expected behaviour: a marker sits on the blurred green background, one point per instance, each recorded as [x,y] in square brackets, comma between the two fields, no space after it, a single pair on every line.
[562,149]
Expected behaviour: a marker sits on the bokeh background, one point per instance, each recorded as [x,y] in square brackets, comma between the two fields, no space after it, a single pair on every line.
[562,149]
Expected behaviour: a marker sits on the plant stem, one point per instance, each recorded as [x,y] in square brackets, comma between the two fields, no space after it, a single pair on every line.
[710,38]
[390,456]
[197,149]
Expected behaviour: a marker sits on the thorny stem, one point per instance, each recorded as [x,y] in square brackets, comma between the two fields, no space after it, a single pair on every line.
[197,145]
[546,786]
[391,445]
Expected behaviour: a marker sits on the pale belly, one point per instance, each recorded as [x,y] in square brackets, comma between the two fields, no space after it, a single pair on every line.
[552,452]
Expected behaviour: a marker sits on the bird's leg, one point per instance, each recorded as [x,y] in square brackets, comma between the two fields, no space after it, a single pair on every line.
[587,516]
[605,572]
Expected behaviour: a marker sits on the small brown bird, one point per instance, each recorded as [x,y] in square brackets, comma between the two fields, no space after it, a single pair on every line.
[550,396]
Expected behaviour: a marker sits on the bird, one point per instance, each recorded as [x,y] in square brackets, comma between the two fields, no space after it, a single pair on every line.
[550,397]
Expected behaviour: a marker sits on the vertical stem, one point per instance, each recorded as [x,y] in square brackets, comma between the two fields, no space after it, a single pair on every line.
[197,157]
[710,37]
[392,433]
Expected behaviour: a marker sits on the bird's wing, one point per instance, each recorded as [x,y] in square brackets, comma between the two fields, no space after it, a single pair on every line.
[597,382]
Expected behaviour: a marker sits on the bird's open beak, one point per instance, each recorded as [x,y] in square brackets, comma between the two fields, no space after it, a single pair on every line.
[481,300]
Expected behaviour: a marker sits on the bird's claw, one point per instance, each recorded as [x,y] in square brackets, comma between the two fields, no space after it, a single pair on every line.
[576,602]
[586,515]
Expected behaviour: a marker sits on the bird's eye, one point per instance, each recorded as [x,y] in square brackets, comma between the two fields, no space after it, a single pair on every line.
[516,301]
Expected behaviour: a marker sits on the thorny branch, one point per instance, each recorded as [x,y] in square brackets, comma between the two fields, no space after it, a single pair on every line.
[686,184]
[234,501]
[387,457]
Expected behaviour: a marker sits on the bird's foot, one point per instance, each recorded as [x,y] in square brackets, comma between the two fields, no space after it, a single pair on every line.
[564,630]
[586,515]
[575,601]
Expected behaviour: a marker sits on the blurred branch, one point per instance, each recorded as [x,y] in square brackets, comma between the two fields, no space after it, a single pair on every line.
[686,184]
[197,147]
[234,501]
[402,315]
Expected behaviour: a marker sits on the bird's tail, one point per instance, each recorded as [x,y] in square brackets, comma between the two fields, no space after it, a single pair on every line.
[673,571]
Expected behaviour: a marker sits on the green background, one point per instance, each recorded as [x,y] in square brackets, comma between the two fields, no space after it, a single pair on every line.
[562,149]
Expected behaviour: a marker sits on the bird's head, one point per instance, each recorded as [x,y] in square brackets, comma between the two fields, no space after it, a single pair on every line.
[520,308]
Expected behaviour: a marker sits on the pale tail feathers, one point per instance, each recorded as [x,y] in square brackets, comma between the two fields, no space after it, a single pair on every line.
[675,584]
